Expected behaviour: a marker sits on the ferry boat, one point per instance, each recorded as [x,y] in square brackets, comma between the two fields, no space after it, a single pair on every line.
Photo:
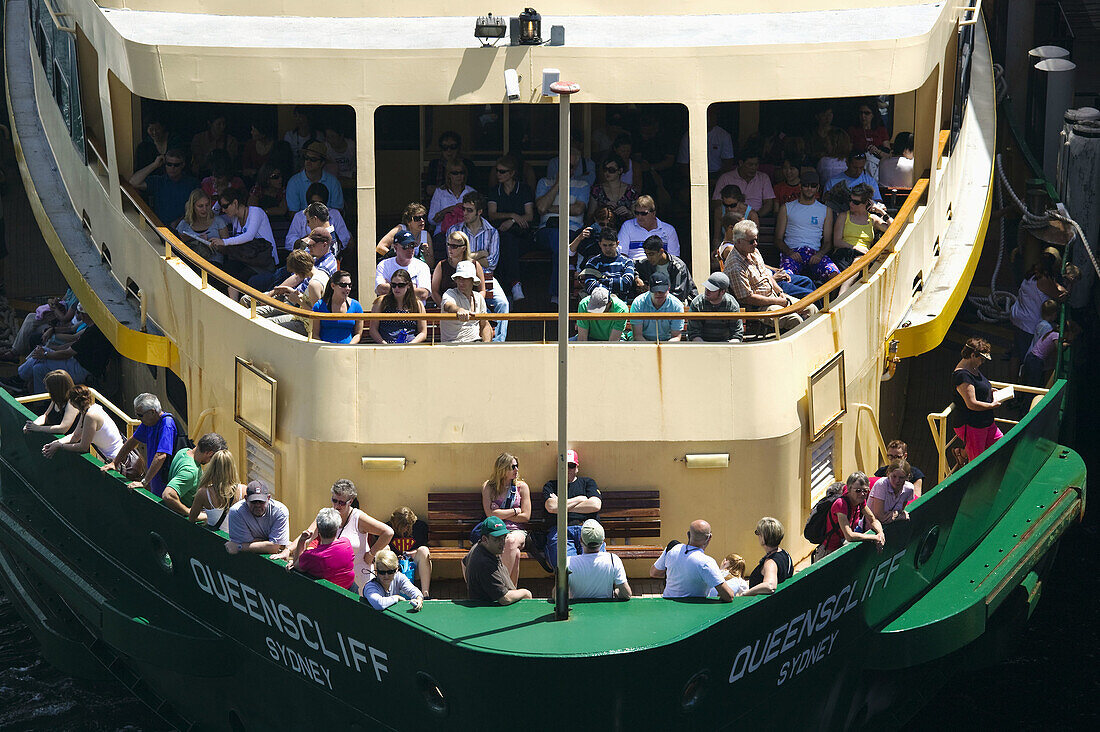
[113,582]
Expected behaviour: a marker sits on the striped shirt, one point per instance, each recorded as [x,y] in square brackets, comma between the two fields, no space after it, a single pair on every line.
[748,276]
[487,240]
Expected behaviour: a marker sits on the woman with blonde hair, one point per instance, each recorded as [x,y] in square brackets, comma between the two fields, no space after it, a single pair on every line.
[218,491]
[200,224]
[60,415]
[458,250]
[508,498]
[410,541]
[776,566]
[388,586]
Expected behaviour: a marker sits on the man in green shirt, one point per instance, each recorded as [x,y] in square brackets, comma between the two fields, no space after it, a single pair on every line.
[185,472]
[601,301]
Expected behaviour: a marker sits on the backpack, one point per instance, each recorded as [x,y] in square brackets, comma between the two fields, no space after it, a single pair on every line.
[181,442]
[814,530]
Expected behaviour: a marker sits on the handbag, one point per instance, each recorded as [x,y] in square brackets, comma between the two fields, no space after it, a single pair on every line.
[255,254]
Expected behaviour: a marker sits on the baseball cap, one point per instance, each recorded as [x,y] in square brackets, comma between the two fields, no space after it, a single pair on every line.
[404,239]
[592,533]
[493,526]
[317,148]
[257,491]
[809,177]
[597,301]
[717,281]
[571,457]
[658,282]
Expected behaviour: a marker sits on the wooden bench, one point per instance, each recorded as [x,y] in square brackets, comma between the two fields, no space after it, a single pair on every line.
[626,515]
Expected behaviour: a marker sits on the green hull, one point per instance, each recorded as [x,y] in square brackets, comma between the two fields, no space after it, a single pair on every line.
[86,559]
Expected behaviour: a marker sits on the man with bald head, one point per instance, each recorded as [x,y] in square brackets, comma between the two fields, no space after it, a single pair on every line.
[687,570]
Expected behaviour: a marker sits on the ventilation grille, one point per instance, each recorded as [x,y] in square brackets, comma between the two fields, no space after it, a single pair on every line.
[822,466]
[259,462]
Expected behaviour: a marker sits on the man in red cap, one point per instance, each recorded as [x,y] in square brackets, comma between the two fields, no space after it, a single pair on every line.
[582,502]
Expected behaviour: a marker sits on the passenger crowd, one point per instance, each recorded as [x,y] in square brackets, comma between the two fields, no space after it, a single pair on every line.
[247,207]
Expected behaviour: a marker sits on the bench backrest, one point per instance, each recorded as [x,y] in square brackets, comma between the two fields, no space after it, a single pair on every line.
[625,514]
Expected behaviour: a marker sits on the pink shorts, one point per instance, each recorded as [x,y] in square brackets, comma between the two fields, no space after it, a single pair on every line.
[977,439]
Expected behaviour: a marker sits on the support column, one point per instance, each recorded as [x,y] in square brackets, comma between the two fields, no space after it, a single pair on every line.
[926,128]
[700,193]
[118,156]
[366,234]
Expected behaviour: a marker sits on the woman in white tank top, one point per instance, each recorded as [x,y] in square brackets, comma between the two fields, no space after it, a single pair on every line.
[94,427]
[217,492]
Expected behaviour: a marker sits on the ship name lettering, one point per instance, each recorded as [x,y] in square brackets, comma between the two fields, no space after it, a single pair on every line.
[297,626]
[791,634]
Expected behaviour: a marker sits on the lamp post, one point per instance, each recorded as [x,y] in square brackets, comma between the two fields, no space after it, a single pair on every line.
[564,90]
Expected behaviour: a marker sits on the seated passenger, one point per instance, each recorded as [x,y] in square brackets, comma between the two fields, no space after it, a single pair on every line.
[610,268]
[869,133]
[60,415]
[487,580]
[512,211]
[892,493]
[269,193]
[316,215]
[458,250]
[612,191]
[218,491]
[158,141]
[410,542]
[485,250]
[755,184]
[546,201]
[257,151]
[86,355]
[804,234]
[715,298]
[797,286]
[40,324]
[834,161]
[185,472]
[221,177]
[720,155]
[340,151]
[336,299]
[733,571]
[94,428]
[854,232]
[303,289]
[582,502]
[645,224]
[157,432]
[259,524]
[414,219]
[601,301]
[450,154]
[896,171]
[200,225]
[776,566]
[587,243]
[507,497]
[301,134]
[596,573]
[583,168]
[401,298]
[846,513]
[169,190]
[314,157]
[657,300]
[249,249]
[752,282]
[389,586]
[464,301]
[445,209]
[854,174]
[214,137]
[898,450]
[789,186]
[331,558]
[730,204]
[687,570]
[404,246]
[656,259]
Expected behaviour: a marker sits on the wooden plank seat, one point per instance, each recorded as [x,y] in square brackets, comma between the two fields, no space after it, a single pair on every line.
[626,515]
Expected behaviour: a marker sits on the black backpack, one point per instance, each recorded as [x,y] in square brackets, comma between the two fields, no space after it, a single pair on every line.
[814,531]
[181,442]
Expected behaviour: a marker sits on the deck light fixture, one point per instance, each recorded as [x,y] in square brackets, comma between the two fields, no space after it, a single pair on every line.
[708,460]
[490,28]
[384,463]
[530,27]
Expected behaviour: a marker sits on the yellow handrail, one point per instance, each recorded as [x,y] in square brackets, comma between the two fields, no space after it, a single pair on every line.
[127,420]
[862,409]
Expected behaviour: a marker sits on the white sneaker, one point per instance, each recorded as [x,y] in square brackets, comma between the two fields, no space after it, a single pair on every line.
[517,292]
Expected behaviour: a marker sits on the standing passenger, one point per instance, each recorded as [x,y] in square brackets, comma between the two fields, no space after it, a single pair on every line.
[973,399]
[846,515]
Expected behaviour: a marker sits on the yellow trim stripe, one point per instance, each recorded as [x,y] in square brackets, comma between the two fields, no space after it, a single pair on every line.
[133,344]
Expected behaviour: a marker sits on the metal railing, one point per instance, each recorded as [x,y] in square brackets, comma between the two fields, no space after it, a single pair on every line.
[174,247]
[946,445]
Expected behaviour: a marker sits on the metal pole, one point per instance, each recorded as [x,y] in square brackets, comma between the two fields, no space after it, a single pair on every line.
[565,171]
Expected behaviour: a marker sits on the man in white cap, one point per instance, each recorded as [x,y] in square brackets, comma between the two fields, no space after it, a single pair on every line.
[596,574]
[259,524]
[582,502]
[463,300]
[601,301]
[715,298]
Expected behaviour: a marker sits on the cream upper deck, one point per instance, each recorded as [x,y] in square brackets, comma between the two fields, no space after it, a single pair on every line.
[814,27]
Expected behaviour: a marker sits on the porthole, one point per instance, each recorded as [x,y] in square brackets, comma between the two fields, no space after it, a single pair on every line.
[161,557]
[694,691]
[433,695]
[926,547]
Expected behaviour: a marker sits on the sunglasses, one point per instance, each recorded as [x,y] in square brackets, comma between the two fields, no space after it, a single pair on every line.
[642,212]
[449,146]
[396,285]
[275,176]
[344,284]
[613,171]
[419,218]
[809,185]
[312,159]
[455,246]
[456,172]
[856,202]
[173,165]
[386,572]
[408,247]
[503,171]
[337,502]
[515,466]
